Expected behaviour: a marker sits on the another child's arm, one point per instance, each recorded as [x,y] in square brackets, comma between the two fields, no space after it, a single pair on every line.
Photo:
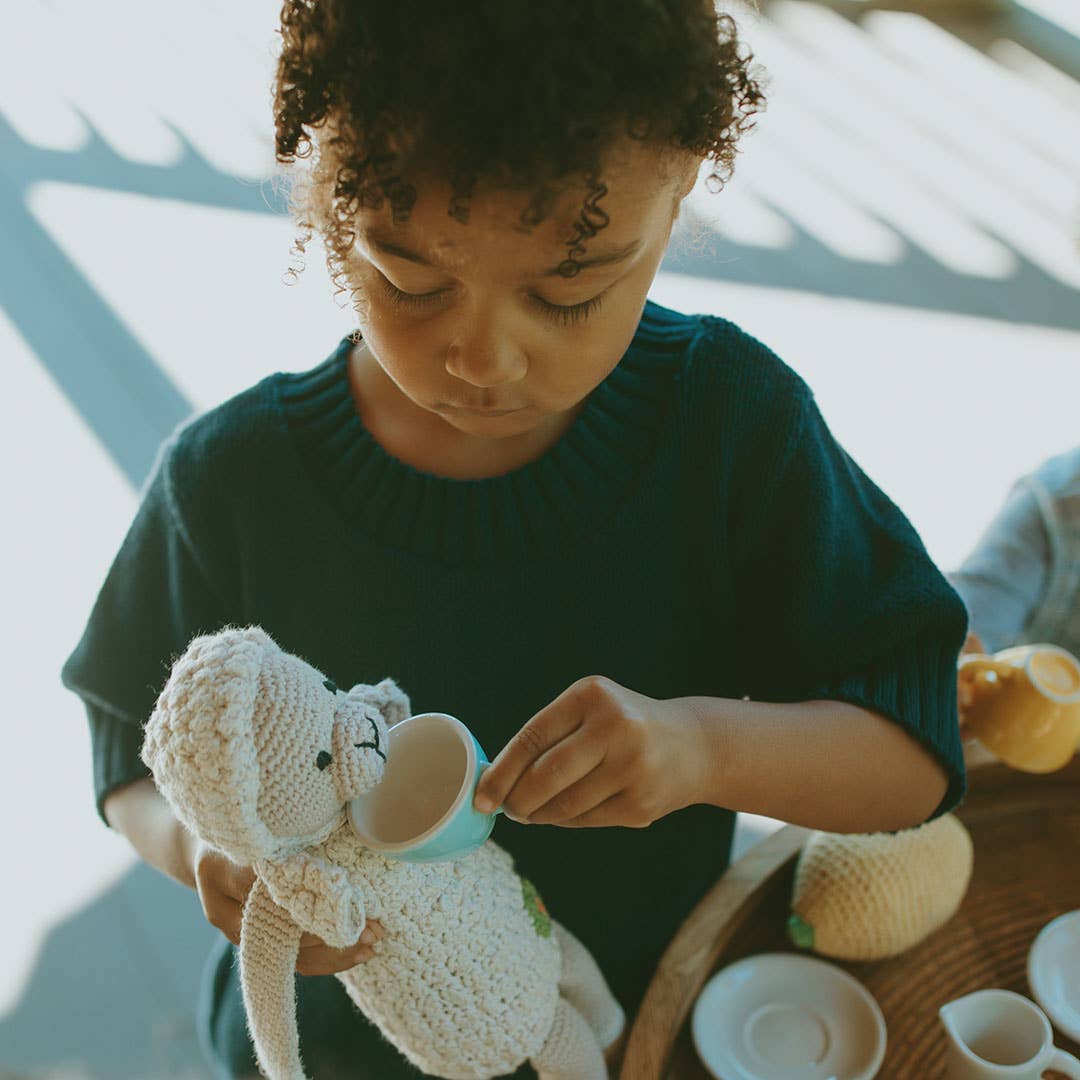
[1003,579]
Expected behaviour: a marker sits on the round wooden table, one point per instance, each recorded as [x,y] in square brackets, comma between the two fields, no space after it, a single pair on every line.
[1026,831]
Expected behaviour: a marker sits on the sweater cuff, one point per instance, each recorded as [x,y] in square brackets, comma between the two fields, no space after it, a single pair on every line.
[115,744]
[916,688]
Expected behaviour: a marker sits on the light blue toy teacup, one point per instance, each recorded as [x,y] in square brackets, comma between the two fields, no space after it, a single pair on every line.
[422,808]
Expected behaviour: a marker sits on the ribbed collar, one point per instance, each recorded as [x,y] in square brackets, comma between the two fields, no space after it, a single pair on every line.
[529,514]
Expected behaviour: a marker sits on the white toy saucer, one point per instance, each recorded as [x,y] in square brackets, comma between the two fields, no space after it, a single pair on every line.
[776,1016]
[1053,971]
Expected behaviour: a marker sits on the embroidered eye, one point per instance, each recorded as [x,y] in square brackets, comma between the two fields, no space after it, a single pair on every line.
[329,684]
[323,760]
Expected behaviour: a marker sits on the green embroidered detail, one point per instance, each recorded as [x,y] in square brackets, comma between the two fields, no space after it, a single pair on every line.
[800,931]
[535,907]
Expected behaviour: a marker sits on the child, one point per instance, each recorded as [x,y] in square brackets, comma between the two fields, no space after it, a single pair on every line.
[618,541]
[1021,582]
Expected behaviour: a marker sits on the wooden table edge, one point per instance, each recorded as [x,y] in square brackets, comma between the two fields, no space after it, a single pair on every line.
[689,959]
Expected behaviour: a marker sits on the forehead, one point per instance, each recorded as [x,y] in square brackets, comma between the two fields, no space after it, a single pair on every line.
[634,201]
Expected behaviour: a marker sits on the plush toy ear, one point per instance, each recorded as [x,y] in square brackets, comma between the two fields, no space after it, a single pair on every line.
[388,698]
[317,894]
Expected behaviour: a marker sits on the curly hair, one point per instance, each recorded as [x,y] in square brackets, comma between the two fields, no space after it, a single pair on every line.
[527,95]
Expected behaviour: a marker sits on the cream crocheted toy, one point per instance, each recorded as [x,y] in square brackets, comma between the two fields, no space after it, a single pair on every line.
[259,754]
[869,896]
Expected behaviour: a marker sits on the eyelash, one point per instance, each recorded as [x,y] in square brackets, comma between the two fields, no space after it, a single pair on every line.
[565,314]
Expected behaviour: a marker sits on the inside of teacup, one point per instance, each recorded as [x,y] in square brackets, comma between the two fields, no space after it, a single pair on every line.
[1055,673]
[426,768]
[1005,1033]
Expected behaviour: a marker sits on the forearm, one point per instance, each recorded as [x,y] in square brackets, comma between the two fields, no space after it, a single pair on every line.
[823,764]
[141,813]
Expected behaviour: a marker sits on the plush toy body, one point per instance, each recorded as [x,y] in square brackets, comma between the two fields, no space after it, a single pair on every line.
[872,896]
[259,755]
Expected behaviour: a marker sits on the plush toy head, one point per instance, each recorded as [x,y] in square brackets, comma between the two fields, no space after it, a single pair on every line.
[257,751]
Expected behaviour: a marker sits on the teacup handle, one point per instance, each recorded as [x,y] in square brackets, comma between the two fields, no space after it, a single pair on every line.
[1065,1063]
[979,667]
[479,773]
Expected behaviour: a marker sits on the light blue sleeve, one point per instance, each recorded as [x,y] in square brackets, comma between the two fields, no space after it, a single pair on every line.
[1002,581]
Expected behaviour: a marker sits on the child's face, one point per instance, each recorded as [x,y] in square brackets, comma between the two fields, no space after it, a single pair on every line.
[475,330]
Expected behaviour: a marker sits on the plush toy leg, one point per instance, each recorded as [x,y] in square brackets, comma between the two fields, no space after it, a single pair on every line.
[269,943]
[571,1051]
[583,985]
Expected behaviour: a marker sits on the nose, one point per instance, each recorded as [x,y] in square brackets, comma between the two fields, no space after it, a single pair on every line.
[484,358]
[359,748]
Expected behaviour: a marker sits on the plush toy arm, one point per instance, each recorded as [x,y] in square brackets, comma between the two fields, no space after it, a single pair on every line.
[269,943]
[318,895]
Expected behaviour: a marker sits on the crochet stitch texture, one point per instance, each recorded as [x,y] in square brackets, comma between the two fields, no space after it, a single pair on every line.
[259,753]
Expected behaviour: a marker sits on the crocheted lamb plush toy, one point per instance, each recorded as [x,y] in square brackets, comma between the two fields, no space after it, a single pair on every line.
[259,754]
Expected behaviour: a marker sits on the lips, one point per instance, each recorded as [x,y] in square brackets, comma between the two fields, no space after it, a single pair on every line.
[483,411]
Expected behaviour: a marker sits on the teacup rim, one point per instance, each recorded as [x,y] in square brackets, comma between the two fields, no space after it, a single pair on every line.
[467,740]
[1058,650]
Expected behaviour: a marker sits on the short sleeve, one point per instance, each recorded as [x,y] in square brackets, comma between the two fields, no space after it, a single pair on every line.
[837,597]
[1004,578]
[156,596]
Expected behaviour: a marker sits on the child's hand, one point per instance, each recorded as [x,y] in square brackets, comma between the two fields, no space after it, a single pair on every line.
[964,692]
[598,755]
[223,887]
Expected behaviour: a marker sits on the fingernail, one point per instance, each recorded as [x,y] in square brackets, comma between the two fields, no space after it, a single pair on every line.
[368,937]
[484,804]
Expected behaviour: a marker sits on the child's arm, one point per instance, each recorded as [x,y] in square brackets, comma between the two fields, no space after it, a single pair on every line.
[832,607]
[603,755]
[824,764]
[1004,578]
[141,813]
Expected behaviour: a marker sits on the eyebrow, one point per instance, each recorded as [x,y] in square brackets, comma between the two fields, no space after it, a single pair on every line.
[389,247]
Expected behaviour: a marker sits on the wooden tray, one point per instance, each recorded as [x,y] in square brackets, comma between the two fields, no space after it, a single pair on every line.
[1026,831]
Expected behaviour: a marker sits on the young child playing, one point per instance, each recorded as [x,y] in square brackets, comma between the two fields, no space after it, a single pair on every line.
[618,541]
[1021,581]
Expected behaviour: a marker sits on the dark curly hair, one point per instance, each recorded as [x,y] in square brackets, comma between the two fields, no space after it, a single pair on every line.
[526,94]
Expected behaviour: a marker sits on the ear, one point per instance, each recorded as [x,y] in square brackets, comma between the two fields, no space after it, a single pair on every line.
[317,894]
[388,698]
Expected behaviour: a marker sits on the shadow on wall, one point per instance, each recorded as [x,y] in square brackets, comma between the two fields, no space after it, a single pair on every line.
[113,989]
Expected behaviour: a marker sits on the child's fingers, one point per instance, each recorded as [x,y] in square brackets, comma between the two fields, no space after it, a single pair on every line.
[563,783]
[547,728]
[373,931]
[322,960]
[596,786]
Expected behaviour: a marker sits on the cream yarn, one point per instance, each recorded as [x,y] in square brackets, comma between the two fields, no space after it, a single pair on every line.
[259,753]
[870,896]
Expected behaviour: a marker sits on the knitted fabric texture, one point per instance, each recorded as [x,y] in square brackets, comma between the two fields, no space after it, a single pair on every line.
[259,753]
[872,896]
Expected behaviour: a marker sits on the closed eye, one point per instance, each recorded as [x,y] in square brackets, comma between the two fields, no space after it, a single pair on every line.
[566,313]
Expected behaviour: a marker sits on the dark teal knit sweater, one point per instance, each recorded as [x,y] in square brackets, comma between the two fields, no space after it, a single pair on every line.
[696,522]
